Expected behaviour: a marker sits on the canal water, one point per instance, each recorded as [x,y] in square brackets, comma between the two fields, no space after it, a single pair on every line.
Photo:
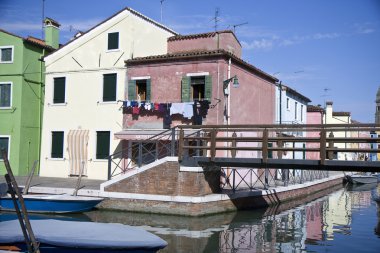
[347,220]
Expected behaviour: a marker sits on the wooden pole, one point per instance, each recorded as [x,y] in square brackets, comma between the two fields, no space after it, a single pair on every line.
[79,180]
[21,201]
[29,179]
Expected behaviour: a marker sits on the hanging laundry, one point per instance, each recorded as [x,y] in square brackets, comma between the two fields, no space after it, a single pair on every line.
[188,111]
[134,103]
[156,106]
[126,103]
[136,110]
[176,108]
[162,108]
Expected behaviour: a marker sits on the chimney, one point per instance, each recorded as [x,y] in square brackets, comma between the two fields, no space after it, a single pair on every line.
[51,32]
[328,111]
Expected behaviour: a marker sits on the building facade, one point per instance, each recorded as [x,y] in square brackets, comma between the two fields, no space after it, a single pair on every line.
[85,83]
[22,97]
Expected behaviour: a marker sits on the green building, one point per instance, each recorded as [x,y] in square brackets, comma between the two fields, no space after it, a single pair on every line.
[22,95]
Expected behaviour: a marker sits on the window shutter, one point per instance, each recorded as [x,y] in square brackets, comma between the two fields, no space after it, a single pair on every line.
[131,90]
[185,89]
[59,90]
[148,90]
[109,87]
[57,145]
[113,41]
[102,144]
[208,87]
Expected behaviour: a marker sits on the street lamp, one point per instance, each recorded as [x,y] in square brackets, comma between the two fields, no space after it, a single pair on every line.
[235,84]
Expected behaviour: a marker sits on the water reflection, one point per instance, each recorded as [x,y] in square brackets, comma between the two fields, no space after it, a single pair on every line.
[338,222]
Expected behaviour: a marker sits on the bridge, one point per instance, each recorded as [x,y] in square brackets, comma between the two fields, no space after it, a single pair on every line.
[259,156]
[311,147]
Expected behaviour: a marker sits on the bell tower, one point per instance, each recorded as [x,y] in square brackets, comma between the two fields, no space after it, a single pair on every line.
[377,114]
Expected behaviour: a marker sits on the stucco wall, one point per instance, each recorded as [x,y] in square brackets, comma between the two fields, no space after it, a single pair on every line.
[83,63]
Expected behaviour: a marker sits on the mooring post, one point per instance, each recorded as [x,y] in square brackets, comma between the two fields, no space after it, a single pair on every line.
[213,145]
[264,146]
[172,148]
[29,179]
[233,145]
[139,158]
[331,145]
[322,146]
[109,167]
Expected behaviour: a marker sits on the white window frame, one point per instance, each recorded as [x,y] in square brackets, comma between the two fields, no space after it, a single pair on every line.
[116,49]
[9,146]
[13,50]
[10,105]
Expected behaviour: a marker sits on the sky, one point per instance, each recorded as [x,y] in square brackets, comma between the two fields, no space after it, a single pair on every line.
[326,50]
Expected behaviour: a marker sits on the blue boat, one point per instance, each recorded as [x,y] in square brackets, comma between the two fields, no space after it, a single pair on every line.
[52,203]
[70,236]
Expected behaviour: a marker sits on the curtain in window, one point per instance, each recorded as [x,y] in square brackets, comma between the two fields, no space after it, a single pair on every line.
[5,95]
[77,141]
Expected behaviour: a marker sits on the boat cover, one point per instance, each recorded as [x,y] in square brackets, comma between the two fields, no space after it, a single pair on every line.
[82,235]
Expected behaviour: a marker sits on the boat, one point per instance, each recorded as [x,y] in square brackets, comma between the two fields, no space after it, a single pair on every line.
[361,179]
[41,203]
[74,236]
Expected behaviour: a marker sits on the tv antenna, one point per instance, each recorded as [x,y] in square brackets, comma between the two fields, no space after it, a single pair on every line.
[161,2]
[325,90]
[216,18]
[234,26]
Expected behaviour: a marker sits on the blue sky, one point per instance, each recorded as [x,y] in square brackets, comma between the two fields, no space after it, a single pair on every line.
[326,50]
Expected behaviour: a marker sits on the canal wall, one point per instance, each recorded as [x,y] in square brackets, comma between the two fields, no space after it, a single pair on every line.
[167,188]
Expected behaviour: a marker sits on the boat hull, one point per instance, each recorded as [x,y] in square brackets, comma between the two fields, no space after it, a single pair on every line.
[49,204]
[361,179]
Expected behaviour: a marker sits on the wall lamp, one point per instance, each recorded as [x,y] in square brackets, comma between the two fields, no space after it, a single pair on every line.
[235,84]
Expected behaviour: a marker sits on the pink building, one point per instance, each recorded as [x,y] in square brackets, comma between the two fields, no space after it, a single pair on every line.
[314,116]
[194,70]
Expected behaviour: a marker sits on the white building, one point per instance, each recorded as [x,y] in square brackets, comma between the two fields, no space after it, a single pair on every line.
[85,85]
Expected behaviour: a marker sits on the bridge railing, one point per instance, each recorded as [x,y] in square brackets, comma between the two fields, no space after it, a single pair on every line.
[354,141]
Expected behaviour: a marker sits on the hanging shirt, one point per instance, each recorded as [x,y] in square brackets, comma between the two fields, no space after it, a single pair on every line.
[188,111]
[176,108]
[135,110]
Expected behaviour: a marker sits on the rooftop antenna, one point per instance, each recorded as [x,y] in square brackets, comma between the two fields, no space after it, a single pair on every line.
[234,26]
[43,18]
[161,1]
[325,90]
[216,18]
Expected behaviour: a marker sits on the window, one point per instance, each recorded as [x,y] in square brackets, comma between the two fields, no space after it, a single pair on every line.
[6,54]
[139,90]
[109,87]
[102,144]
[196,88]
[4,144]
[295,110]
[57,144]
[5,95]
[287,103]
[59,90]
[113,41]
[301,112]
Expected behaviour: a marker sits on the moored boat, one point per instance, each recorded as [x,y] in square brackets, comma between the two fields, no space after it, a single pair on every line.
[71,236]
[361,179]
[52,203]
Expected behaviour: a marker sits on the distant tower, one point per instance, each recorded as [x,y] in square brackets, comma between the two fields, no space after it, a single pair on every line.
[377,114]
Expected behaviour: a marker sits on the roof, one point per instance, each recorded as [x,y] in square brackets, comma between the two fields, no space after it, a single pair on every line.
[199,55]
[31,40]
[136,13]
[201,35]
[52,21]
[314,108]
[341,114]
[296,93]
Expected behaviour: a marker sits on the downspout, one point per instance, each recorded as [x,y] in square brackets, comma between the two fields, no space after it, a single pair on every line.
[229,93]
[40,108]
[280,109]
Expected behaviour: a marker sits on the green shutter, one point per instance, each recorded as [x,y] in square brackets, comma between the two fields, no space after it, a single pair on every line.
[57,145]
[148,90]
[59,90]
[109,87]
[208,87]
[102,144]
[185,89]
[113,41]
[131,90]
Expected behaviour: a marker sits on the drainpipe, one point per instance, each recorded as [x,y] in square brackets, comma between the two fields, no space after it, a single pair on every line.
[229,93]
[280,103]
[40,108]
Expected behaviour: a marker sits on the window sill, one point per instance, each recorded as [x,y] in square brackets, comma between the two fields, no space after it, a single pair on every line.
[99,160]
[112,50]
[58,104]
[55,159]
[7,108]
[107,102]
[6,62]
